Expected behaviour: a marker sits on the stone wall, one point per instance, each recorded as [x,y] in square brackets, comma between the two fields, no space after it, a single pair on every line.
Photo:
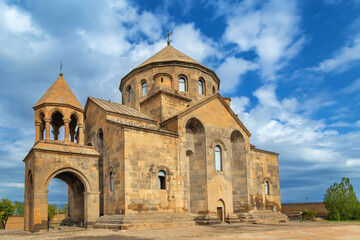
[292,210]
[15,223]
[147,153]
[264,167]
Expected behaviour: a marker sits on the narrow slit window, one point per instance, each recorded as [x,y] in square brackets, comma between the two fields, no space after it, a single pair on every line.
[201,87]
[144,90]
[267,188]
[218,163]
[161,180]
[111,181]
[130,94]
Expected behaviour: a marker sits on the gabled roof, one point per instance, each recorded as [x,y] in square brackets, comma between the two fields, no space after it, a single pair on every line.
[168,54]
[119,108]
[59,93]
[203,101]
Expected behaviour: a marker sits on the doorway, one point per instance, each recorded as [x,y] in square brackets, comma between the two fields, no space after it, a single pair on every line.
[220,210]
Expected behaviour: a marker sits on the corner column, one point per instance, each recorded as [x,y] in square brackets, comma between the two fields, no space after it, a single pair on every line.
[40,215]
[92,207]
[37,131]
[81,134]
[66,134]
[47,128]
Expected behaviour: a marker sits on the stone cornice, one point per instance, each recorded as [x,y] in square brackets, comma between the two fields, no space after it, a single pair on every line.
[166,93]
[143,128]
[58,105]
[61,147]
[253,148]
[167,64]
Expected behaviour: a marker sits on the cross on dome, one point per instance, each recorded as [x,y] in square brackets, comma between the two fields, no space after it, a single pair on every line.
[168,37]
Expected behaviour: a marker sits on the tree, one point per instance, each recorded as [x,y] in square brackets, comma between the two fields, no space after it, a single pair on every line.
[51,211]
[6,210]
[19,208]
[65,209]
[340,199]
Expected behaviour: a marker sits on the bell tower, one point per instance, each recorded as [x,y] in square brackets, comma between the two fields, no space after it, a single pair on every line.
[59,107]
[59,152]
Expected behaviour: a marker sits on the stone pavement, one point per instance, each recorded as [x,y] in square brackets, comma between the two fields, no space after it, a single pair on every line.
[243,231]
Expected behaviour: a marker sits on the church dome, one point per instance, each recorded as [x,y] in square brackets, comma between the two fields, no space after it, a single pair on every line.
[169,56]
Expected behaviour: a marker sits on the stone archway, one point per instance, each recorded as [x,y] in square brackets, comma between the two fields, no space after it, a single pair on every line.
[79,170]
[196,139]
[76,190]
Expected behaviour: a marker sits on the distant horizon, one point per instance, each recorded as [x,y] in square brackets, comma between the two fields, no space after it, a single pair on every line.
[291,69]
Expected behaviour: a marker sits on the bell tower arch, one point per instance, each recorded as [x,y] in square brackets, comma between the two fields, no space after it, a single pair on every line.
[59,152]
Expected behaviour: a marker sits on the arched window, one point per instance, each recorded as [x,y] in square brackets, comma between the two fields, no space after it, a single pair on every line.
[130,93]
[267,188]
[161,179]
[182,84]
[201,87]
[213,90]
[144,90]
[111,181]
[218,163]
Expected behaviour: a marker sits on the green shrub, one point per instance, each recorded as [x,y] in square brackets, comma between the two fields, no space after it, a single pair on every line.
[304,214]
[312,214]
[357,213]
[333,214]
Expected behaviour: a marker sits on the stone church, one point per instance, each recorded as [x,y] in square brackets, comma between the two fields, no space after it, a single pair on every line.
[173,153]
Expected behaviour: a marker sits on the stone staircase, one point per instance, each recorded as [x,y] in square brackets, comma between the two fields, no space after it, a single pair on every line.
[263,216]
[144,221]
[67,222]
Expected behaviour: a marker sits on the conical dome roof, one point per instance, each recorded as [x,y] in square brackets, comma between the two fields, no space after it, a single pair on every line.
[59,93]
[168,54]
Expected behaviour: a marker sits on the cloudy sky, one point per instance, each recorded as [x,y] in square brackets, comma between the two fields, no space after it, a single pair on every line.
[290,67]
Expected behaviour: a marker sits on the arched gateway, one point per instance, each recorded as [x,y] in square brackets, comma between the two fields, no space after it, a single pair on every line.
[68,160]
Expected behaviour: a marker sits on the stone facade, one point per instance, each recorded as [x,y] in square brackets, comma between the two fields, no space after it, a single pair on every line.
[173,153]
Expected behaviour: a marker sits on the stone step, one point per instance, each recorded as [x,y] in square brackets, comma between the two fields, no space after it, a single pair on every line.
[141,221]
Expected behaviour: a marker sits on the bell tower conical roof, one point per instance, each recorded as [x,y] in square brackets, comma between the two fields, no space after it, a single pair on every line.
[59,93]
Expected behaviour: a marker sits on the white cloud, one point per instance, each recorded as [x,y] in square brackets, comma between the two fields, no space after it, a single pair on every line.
[109,44]
[270,30]
[353,162]
[230,72]
[189,40]
[20,34]
[16,21]
[342,59]
[11,184]
[239,104]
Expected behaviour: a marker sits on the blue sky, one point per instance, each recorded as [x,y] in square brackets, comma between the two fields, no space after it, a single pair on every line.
[290,67]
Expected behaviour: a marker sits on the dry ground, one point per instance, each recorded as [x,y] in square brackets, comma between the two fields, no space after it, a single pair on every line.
[290,230]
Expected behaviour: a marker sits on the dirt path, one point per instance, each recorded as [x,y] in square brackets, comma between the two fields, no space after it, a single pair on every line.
[291,230]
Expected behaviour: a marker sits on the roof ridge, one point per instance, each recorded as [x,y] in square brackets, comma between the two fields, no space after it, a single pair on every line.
[120,108]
